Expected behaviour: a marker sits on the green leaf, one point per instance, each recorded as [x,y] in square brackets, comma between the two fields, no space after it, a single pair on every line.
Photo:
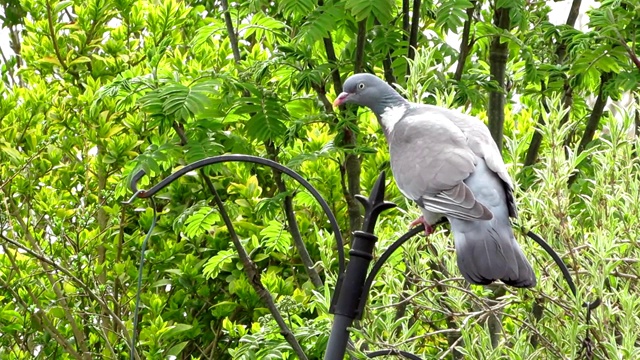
[214,265]
[318,24]
[177,329]
[177,349]
[201,222]
[380,9]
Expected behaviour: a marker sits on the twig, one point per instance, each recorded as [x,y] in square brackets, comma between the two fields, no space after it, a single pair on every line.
[79,282]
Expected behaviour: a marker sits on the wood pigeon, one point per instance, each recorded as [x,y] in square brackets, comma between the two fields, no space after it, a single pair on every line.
[448,163]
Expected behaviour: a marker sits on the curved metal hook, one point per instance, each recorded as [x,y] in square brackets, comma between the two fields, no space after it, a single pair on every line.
[250,159]
[378,265]
[414,231]
[565,271]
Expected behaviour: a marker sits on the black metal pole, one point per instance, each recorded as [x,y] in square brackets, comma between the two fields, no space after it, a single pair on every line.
[360,255]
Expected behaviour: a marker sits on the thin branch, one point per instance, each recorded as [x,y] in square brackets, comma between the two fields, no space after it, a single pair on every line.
[79,335]
[294,230]
[333,59]
[536,141]
[632,54]
[351,163]
[465,42]
[250,268]
[52,34]
[387,62]
[38,316]
[45,260]
[567,99]
[233,37]
[594,119]
[596,113]
[387,65]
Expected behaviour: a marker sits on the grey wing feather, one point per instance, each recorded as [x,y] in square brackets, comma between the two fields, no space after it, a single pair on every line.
[430,159]
[487,250]
[481,143]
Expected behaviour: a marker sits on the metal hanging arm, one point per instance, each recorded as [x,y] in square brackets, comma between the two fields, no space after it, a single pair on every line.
[249,159]
[139,193]
[565,271]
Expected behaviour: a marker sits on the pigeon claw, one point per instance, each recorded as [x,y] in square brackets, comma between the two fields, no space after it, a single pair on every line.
[428,229]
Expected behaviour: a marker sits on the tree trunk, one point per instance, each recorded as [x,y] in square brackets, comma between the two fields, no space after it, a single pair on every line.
[499,54]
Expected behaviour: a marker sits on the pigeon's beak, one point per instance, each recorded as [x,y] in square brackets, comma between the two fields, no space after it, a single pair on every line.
[341,99]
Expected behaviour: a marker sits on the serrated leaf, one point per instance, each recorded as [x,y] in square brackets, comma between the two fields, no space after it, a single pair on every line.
[200,222]
[362,9]
[318,24]
[214,265]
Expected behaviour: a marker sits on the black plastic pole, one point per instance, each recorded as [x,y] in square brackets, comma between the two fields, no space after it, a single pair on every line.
[360,255]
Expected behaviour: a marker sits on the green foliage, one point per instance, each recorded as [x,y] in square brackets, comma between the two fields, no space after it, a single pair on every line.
[99,90]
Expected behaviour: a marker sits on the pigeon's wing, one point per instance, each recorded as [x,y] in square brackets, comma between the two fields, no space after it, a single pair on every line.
[482,144]
[430,159]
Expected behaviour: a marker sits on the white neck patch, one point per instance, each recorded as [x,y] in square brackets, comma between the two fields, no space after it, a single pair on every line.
[391,116]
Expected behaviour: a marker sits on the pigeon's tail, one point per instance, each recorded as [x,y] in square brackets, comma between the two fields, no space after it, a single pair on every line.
[487,251]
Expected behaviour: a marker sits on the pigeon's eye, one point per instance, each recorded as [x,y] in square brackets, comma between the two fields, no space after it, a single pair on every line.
[361,86]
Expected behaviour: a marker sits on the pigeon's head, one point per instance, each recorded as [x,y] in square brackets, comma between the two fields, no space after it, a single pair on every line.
[366,90]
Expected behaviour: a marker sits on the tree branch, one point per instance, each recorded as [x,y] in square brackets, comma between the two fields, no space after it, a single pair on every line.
[250,268]
[465,43]
[233,37]
[333,60]
[360,41]
[596,113]
[292,222]
[567,99]
[387,62]
[413,36]
[352,163]
[536,140]
[628,49]
[45,260]
[61,296]
[594,119]
[37,316]
[574,11]
[52,34]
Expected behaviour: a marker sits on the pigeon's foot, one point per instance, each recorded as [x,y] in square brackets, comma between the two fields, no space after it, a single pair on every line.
[428,229]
